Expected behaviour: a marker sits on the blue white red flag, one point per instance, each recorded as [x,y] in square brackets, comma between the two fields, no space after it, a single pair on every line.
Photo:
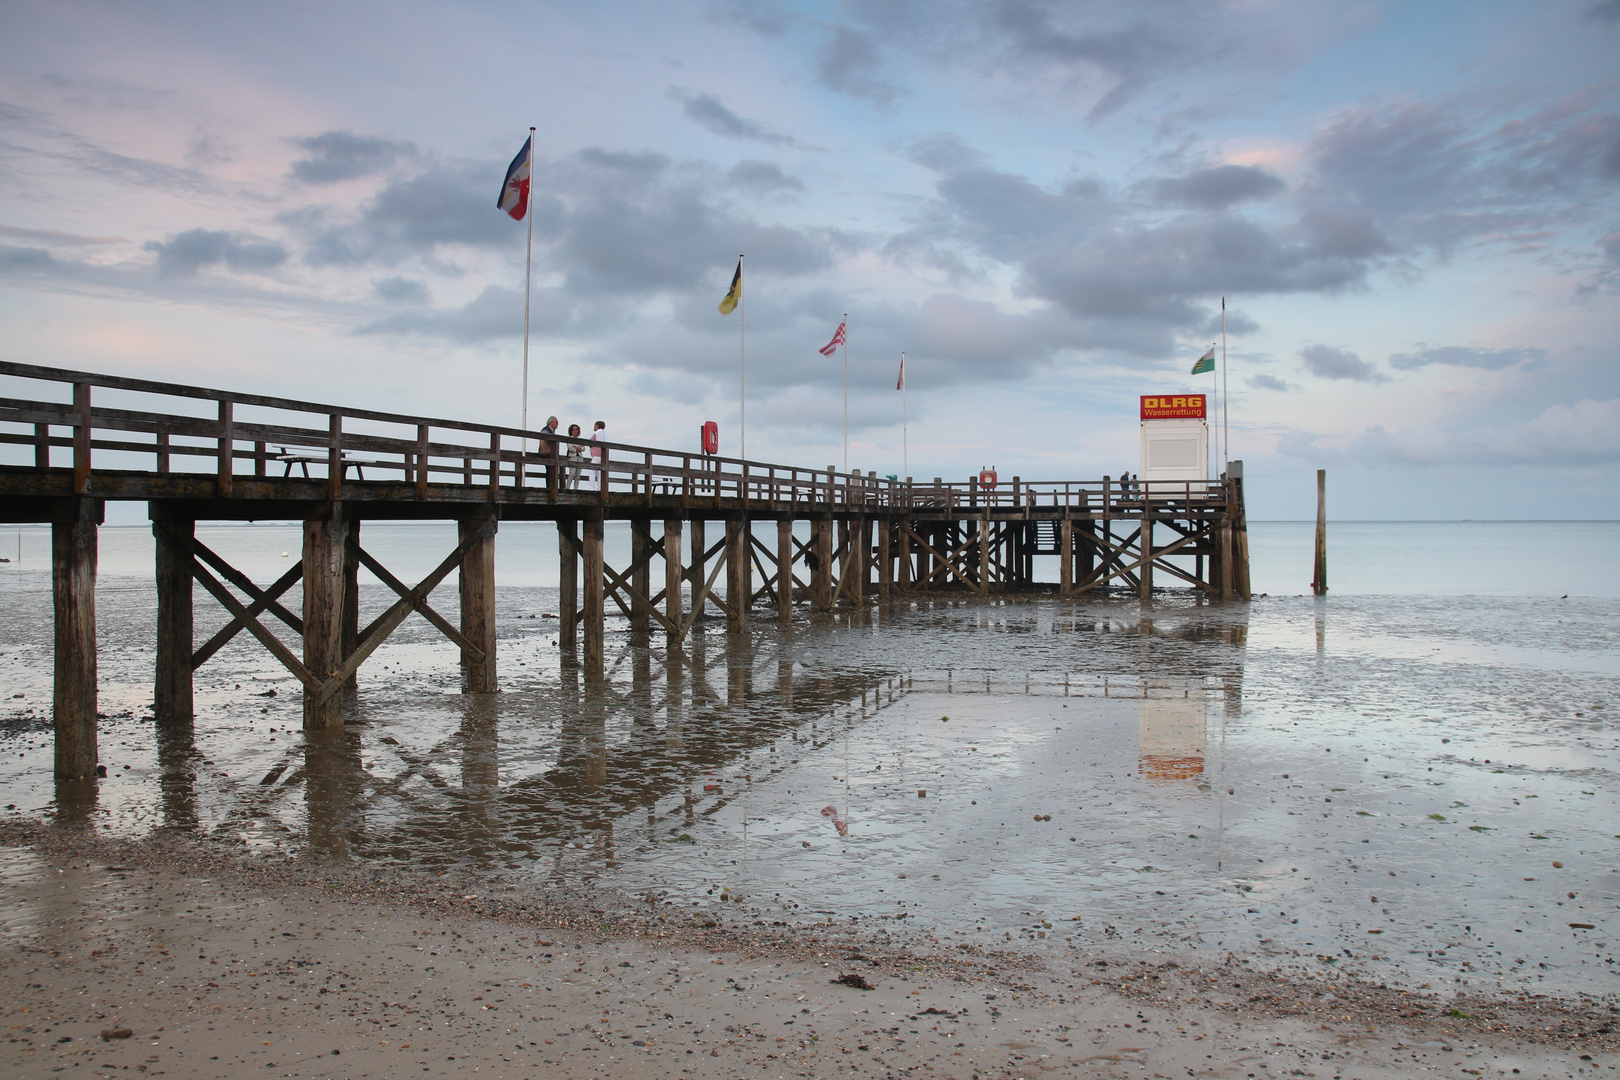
[515,191]
[900,383]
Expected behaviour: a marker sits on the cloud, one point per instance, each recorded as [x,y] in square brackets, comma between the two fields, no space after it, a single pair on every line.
[1327,362]
[766,19]
[762,177]
[1582,434]
[1263,381]
[1219,187]
[493,314]
[398,290]
[848,62]
[53,238]
[711,114]
[343,155]
[185,254]
[413,215]
[1469,356]
[1607,11]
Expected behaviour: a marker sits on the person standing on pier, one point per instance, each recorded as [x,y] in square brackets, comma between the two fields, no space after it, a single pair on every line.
[548,451]
[594,477]
[576,454]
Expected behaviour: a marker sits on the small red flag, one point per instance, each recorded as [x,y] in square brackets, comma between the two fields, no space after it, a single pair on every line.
[838,339]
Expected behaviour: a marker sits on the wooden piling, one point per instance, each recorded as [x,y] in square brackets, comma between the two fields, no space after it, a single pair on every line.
[821,545]
[567,585]
[478,608]
[983,522]
[903,576]
[672,574]
[738,557]
[641,548]
[784,570]
[1144,572]
[699,571]
[351,600]
[885,529]
[1319,584]
[325,538]
[172,686]
[73,596]
[1065,556]
[592,610]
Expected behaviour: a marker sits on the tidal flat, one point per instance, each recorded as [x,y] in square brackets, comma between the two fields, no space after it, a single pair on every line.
[1364,810]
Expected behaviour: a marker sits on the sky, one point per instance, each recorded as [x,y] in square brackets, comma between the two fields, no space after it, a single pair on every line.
[1412,210]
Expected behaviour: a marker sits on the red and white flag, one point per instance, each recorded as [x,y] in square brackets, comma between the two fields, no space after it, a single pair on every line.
[900,383]
[838,339]
[515,191]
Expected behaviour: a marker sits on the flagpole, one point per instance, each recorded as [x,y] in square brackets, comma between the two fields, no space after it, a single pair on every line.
[528,271]
[845,327]
[742,366]
[1226,431]
[905,439]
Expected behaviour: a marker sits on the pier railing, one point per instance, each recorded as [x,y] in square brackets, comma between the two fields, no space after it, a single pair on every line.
[53,419]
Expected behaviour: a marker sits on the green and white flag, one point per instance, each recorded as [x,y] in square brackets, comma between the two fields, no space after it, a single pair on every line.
[1206,363]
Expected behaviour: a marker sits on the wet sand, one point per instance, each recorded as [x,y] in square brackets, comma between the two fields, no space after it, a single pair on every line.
[219,966]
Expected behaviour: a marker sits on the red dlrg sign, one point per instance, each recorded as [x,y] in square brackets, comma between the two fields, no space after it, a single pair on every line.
[1173,407]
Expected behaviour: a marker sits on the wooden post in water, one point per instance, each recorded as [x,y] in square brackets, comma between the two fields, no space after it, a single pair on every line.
[73,596]
[784,569]
[640,574]
[737,576]
[1145,571]
[1065,555]
[567,584]
[672,573]
[984,551]
[351,600]
[593,613]
[325,538]
[885,557]
[478,607]
[821,545]
[903,576]
[171,692]
[700,566]
[1319,584]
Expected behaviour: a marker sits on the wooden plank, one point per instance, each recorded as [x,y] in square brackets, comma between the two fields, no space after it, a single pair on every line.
[227,447]
[252,625]
[253,611]
[738,564]
[81,438]
[418,596]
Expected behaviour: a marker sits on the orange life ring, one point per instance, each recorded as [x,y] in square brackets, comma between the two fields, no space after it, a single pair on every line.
[987,479]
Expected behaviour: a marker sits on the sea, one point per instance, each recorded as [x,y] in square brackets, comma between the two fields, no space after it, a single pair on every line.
[1410,780]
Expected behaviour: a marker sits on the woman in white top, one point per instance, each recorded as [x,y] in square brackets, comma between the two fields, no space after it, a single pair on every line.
[592,480]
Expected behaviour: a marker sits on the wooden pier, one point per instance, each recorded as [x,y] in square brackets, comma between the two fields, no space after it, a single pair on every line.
[70,441]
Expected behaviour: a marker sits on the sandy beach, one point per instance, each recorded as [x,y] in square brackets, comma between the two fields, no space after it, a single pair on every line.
[220,967]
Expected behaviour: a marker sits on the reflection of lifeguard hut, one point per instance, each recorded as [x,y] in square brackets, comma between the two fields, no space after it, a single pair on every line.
[1171,740]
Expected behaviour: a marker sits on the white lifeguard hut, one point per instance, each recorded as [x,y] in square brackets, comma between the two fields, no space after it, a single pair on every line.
[1175,445]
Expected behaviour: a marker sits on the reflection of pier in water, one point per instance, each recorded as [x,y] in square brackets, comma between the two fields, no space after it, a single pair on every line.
[659,750]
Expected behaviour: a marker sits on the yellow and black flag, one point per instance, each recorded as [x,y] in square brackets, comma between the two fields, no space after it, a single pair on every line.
[733,294]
